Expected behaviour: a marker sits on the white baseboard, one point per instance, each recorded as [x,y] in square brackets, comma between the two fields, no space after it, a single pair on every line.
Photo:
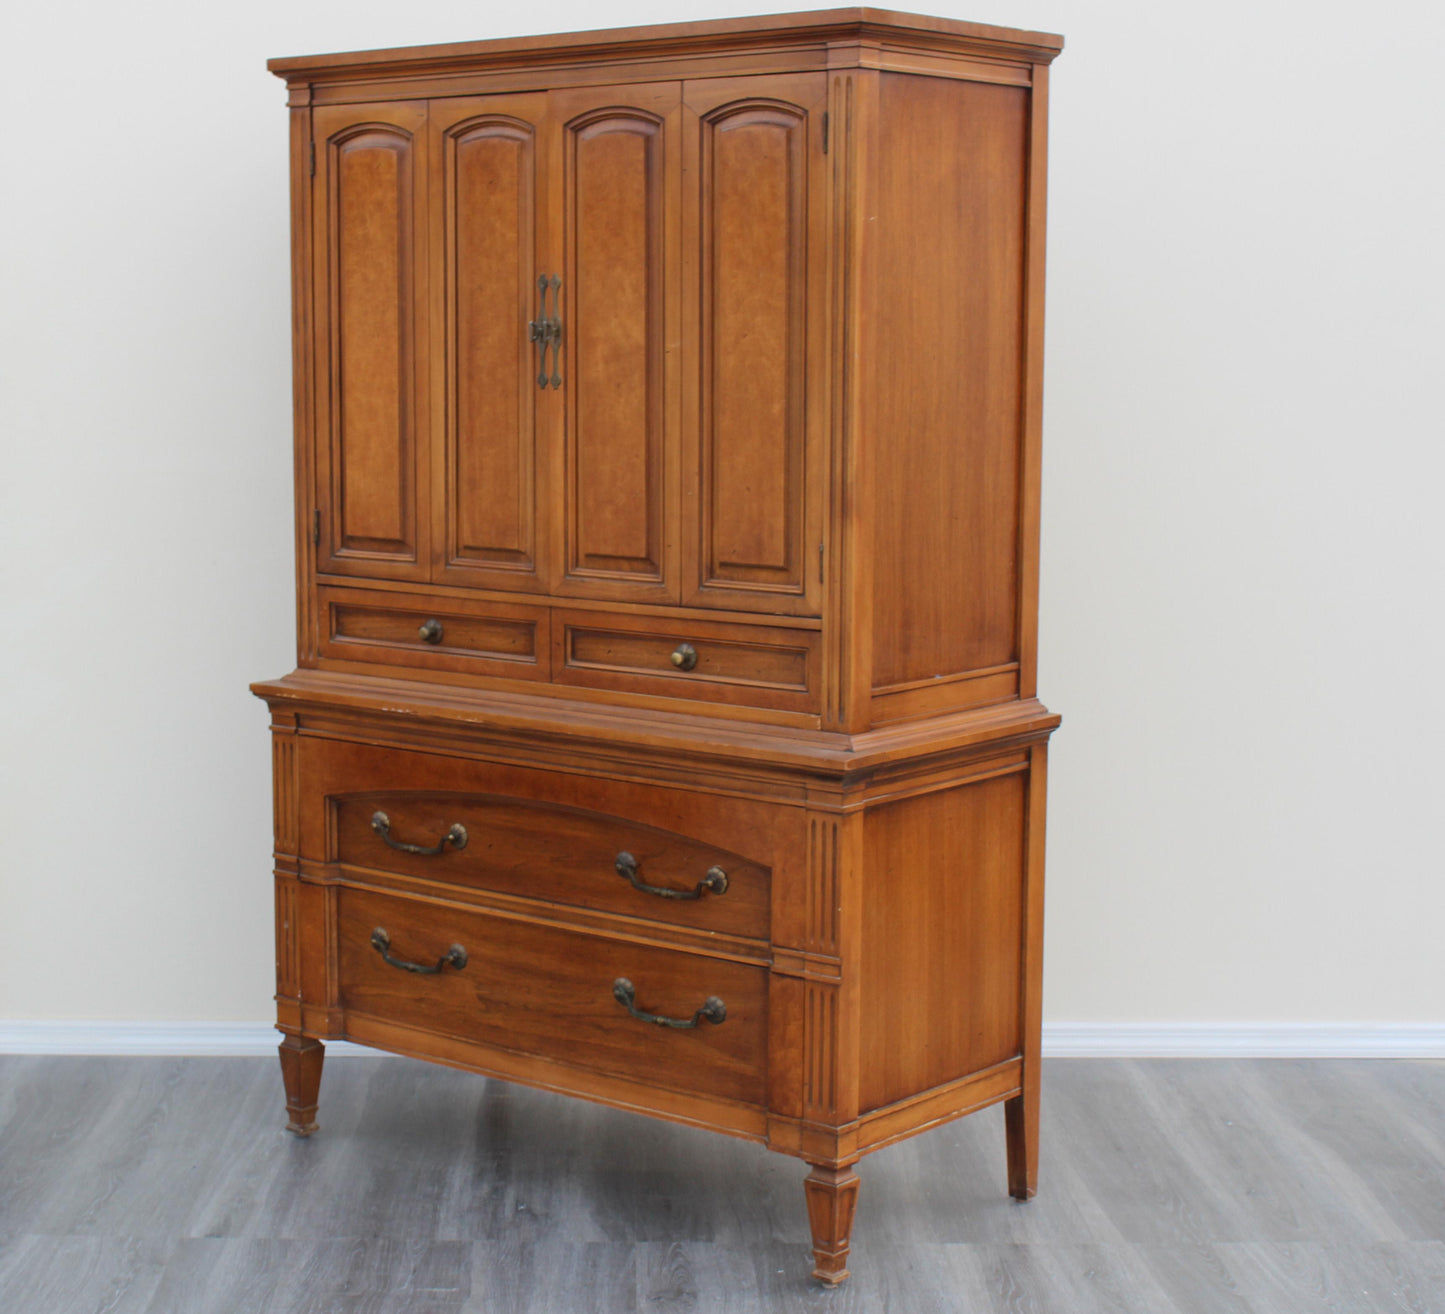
[1239,1040]
[1061,1040]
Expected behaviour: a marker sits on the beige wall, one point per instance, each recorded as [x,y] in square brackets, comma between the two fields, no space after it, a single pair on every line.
[1242,610]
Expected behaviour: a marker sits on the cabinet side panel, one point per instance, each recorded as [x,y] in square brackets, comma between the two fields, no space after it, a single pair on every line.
[942,935]
[947,293]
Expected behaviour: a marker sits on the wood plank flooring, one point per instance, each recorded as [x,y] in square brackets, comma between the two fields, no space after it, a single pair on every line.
[166,1186]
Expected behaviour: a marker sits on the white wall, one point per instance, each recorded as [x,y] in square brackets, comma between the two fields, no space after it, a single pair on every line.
[1242,547]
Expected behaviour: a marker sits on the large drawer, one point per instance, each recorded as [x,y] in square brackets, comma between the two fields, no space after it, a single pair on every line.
[554,852]
[553,992]
[546,834]
[758,665]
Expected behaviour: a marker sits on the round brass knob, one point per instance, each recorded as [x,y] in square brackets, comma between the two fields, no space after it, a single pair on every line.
[684,656]
[430,631]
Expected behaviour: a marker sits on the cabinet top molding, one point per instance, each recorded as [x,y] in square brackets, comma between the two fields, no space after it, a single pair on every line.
[818,28]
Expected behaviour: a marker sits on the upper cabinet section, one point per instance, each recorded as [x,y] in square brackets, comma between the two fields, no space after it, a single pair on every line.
[370,315]
[644,335]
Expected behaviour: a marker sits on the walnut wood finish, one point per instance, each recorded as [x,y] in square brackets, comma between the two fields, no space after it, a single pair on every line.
[668,437]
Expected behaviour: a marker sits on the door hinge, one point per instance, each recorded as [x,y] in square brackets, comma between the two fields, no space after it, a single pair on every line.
[825,133]
[820,563]
[316,527]
[311,156]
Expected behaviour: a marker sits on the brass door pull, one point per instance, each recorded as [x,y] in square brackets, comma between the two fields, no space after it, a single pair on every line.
[714,881]
[456,836]
[546,330]
[456,956]
[430,631]
[684,656]
[713,1009]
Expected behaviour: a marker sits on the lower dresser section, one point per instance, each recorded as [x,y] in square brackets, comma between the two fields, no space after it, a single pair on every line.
[771,939]
[555,992]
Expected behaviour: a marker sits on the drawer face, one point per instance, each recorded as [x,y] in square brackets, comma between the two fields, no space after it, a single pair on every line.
[502,639]
[549,991]
[763,666]
[555,852]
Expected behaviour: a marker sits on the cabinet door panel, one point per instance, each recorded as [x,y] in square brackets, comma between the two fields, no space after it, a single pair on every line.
[619,159]
[753,231]
[370,339]
[485,261]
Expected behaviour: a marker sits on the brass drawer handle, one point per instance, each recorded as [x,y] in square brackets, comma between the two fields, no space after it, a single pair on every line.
[713,1009]
[456,956]
[714,881]
[456,837]
[430,631]
[684,656]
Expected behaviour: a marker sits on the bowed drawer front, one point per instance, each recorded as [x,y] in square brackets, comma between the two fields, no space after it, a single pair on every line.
[662,855]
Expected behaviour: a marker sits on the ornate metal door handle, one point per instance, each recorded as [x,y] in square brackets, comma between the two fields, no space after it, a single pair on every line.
[713,1009]
[714,881]
[456,837]
[546,330]
[456,956]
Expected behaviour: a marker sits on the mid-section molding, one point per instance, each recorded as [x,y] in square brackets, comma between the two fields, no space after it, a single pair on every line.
[486,717]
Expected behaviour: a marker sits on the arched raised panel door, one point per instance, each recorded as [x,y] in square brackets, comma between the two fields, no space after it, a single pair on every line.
[619,188]
[370,343]
[754,210]
[485,205]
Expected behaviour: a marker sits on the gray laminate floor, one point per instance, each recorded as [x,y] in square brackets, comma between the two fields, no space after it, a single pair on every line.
[167,1185]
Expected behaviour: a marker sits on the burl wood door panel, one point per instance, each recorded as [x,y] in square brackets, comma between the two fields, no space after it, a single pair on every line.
[617,174]
[754,239]
[487,227]
[370,341]
[549,991]
[554,853]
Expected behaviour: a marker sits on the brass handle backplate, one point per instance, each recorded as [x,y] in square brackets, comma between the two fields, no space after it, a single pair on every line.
[713,1009]
[430,631]
[714,881]
[684,656]
[455,956]
[456,836]
[546,330]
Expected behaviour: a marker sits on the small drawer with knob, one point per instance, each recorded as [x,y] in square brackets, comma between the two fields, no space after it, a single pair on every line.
[768,666]
[441,634]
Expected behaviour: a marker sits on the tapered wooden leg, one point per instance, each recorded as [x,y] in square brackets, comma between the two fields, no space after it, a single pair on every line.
[301,1059]
[832,1194]
[1021,1127]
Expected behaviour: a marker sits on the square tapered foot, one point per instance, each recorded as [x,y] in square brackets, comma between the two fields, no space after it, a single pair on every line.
[832,1195]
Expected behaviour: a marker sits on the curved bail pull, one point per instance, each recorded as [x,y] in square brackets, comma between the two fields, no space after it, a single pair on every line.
[455,956]
[456,836]
[713,1009]
[714,881]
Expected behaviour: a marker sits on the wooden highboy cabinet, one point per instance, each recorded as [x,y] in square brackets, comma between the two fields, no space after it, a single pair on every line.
[664,726]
